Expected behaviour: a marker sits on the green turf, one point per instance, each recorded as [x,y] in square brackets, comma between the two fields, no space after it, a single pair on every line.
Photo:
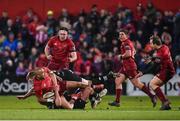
[131,108]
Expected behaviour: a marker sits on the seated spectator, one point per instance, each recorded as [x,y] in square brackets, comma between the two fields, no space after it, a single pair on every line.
[78,66]
[9,69]
[21,70]
[41,35]
[32,58]
[10,43]
[10,27]
[50,23]
[3,21]
[41,61]
[177,64]
[2,38]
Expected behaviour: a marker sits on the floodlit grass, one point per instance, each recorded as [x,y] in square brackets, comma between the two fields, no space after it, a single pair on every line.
[131,108]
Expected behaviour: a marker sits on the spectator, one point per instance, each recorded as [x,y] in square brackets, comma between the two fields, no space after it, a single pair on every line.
[79,67]
[41,36]
[10,43]
[21,71]
[41,61]
[3,21]
[9,69]
[176,44]
[10,28]
[138,14]
[150,12]
[177,64]
[32,58]
[50,23]
[2,38]
[33,25]
[28,17]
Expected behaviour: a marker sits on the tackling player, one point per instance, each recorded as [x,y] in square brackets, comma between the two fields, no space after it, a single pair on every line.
[45,81]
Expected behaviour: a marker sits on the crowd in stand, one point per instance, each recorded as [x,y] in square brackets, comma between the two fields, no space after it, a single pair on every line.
[95,34]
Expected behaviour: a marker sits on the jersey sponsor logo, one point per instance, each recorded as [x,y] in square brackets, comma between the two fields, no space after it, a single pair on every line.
[55,44]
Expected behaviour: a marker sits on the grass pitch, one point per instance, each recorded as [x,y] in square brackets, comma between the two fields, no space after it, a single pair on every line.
[131,108]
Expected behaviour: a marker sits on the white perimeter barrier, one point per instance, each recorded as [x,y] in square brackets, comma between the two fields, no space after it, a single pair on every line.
[171,88]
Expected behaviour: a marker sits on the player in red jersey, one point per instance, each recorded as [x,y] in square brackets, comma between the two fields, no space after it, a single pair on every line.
[128,69]
[60,50]
[45,81]
[162,56]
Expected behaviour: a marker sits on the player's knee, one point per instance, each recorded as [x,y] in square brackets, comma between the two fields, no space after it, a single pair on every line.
[152,85]
[119,86]
[137,83]
[118,81]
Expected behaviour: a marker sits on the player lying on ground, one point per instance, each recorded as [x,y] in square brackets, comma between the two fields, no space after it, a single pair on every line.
[45,81]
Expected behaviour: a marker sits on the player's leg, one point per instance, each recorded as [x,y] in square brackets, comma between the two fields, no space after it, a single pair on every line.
[155,84]
[68,75]
[74,84]
[118,86]
[65,104]
[85,94]
[137,83]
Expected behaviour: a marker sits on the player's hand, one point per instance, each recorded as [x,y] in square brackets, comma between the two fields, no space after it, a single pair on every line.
[58,101]
[49,57]
[119,57]
[21,97]
[139,74]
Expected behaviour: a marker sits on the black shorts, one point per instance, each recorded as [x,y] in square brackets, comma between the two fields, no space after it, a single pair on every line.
[68,75]
[79,104]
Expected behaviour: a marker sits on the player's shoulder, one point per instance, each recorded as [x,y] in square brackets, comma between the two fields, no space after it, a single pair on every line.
[69,40]
[127,41]
[53,38]
[165,47]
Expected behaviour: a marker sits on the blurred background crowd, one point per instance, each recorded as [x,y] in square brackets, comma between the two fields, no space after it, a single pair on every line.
[95,34]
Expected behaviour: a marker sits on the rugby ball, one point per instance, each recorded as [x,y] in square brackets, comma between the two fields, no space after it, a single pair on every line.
[48,95]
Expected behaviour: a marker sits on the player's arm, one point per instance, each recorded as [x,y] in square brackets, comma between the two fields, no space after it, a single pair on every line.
[127,53]
[28,94]
[47,52]
[73,56]
[72,52]
[56,89]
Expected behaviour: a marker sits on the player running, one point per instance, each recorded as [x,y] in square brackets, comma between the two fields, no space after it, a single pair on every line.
[128,70]
[162,56]
[60,50]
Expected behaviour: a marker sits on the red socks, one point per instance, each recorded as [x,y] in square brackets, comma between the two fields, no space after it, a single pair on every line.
[118,95]
[160,95]
[146,90]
